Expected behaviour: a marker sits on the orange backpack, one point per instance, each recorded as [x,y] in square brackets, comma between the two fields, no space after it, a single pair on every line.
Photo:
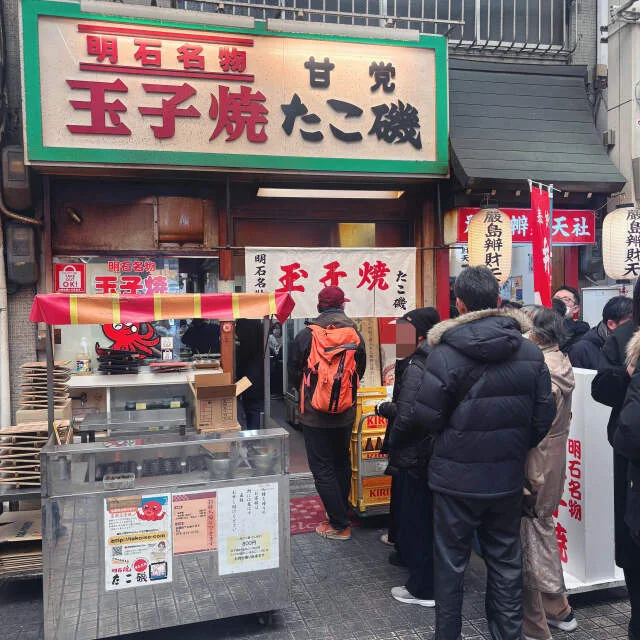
[331,381]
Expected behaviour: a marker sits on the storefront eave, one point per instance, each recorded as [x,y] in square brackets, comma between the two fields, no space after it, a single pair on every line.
[262,177]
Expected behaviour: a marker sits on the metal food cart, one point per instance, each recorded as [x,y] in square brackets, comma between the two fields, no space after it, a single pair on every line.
[161,531]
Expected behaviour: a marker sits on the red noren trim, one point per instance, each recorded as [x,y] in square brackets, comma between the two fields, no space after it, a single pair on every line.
[164,35]
[168,73]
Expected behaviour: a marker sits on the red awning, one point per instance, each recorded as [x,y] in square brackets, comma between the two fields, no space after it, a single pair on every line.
[63,309]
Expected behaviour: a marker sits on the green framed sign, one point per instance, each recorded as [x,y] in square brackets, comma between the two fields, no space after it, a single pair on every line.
[112,90]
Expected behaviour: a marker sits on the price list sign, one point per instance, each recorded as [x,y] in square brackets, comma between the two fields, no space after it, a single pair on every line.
[248,537]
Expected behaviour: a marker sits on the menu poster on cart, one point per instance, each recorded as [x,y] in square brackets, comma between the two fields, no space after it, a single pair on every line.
[194,522]
[378,282]
[248,538]
[137,533]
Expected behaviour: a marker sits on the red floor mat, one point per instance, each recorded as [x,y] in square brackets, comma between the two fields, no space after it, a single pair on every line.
[306,514]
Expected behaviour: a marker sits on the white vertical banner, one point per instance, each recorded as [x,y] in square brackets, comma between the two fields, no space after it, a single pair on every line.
[379,282]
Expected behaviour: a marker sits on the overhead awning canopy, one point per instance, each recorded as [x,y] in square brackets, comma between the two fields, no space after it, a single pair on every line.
[514,122]
[63,309]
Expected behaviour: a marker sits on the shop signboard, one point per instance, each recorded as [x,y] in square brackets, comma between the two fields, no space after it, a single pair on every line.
[568,227]
[70,277]
[117,90]
[379,282]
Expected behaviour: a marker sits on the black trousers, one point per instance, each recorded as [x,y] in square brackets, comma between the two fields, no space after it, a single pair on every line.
[414,517]
[632,578]
[498,524]
[330,464]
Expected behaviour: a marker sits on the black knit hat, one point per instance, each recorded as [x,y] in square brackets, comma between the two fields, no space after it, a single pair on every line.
[422,319]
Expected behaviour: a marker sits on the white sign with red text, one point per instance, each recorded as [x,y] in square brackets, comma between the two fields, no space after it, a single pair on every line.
[379,282]
[584,524]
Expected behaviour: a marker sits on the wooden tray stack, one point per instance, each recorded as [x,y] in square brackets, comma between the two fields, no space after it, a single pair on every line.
[20,451]
[20,543]
[33,385]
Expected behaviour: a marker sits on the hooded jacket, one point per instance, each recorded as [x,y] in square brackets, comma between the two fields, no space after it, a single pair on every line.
[297,363]
[585,353]
[610,387]
[627,444]
[483,437]
[406,441]
[545,468]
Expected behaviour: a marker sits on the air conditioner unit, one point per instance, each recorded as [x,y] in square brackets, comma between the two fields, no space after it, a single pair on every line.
[609,138]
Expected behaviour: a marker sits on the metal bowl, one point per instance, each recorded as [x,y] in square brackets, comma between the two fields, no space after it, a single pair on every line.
[219,467]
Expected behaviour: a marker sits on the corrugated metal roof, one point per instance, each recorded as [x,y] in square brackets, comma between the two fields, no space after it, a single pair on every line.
[514,122]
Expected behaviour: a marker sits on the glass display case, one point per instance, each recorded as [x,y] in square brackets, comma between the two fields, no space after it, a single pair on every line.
[164,530]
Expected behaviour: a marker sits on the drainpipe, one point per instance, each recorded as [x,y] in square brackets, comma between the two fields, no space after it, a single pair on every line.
[5,387]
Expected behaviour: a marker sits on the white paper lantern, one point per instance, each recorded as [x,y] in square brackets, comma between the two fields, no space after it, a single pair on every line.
[490,242]
[621,243]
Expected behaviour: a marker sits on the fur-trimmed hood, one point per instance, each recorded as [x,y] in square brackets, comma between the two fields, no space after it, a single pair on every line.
[434,336]
[489,335]
[633,348]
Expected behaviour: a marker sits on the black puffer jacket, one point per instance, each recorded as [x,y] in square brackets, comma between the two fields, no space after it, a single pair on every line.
[585,353]
[484,434]
[574,331]
[406,441]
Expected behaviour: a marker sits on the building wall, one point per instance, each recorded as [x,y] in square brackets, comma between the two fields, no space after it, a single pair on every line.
[623,110]
[583,27]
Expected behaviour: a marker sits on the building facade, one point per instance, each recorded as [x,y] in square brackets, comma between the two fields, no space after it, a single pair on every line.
[517,94]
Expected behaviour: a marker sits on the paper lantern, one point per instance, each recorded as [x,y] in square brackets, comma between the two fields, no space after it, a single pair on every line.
[490,242]
[621,243]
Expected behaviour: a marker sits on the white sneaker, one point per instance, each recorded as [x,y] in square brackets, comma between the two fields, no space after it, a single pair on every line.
[402,595]
[384,538]
[525,637]
[568,624]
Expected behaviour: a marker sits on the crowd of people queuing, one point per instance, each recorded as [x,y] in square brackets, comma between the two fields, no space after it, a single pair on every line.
[477,437]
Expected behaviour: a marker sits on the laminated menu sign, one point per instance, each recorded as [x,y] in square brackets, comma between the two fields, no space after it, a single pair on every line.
[138,541]
[194,522]
[248,537]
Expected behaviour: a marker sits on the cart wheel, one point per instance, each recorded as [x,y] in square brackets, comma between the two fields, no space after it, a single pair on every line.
[265,618]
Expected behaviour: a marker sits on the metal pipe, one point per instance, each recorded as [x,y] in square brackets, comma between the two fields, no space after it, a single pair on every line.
[266,325]
[5,387]
[16,216]
[50,401]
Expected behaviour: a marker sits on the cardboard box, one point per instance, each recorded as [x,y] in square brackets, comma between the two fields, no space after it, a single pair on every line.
[215,402]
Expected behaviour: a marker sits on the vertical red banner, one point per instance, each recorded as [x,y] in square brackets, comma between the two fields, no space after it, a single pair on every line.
[541,242]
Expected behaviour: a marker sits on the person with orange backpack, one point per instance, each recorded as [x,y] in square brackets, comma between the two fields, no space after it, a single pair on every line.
[326,362]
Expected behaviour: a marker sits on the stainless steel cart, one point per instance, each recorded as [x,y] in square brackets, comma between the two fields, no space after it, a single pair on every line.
[164,530]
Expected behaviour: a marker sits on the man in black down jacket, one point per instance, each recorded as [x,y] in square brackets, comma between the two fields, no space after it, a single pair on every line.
[586,352]
[486,394]
[327,436]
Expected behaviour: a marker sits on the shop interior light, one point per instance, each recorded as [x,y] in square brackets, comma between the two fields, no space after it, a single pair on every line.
[565,194]
[518,192]
[331,29]
[589,195]
[266,192]
[165,13]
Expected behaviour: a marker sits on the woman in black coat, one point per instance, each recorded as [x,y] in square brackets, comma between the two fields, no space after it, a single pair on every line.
[610,387]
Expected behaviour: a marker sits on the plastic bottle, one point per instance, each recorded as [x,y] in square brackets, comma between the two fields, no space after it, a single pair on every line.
[83,361]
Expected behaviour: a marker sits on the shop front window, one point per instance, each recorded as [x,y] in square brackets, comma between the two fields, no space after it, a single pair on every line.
[174,339]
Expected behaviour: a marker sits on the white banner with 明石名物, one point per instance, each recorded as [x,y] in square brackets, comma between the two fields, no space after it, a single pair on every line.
[379,282]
